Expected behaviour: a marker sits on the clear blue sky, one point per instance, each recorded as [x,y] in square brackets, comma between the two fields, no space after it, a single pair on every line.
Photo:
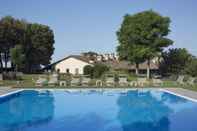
[83,25]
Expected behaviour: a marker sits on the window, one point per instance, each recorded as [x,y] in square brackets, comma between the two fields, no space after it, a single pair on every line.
[67,71]
[77,71]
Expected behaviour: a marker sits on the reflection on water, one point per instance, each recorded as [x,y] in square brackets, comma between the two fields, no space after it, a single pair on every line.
[148,110]
[29,108]
[100,110]
[142,111]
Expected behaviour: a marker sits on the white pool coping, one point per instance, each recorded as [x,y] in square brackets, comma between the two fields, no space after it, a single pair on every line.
[126,89]
[10,93]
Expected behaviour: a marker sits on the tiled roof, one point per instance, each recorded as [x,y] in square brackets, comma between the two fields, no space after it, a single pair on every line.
[127,65]
[79,57]
[113,64]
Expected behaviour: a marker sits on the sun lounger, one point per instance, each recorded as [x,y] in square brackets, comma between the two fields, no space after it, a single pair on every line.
[53,80]
[75,81]
[191,81]
[133,83]
[62,83]
[110,81]
[41,81]
[180,80]
[85,81]
[157,82]
[141,81]
[123,81]
[99,83]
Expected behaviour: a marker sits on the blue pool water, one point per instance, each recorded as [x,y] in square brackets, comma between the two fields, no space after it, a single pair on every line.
[109,110]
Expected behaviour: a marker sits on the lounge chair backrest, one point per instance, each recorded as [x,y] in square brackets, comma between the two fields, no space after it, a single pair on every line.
[157,80]
[54,79]
[86,79]
[191,80]
[122,79]
[180,78]
[55,75]
[110,79]
[75,80]
[141,79]
[41,79]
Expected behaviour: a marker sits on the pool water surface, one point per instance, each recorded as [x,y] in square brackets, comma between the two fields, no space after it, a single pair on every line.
[97,110]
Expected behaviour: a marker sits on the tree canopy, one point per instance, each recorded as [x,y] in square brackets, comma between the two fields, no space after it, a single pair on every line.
[174,61]
[35,40]
[17,56]
[38,47]
[191,67]
[95,71]
[11,32]
[142,36]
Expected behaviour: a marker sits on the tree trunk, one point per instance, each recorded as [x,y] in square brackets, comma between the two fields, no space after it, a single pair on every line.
[148,69]
[1,63]
[16,68]
[12,64]
[137,69]
[5,60]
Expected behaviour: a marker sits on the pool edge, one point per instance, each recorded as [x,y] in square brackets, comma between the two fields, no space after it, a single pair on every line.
[164,90]
[10,93]
[177,94]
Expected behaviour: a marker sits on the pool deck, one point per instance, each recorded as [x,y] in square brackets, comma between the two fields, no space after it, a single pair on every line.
[7,90]
[192,95]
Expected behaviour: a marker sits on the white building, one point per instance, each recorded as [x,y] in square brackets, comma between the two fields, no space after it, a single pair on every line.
[73,64]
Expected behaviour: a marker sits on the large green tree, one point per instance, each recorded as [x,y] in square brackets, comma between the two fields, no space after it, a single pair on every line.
[38,47]
[142,36]
[36,43]
[17,57]
[191,67]
[11,32]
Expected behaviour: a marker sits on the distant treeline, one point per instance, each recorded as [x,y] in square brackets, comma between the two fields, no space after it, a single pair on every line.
[26,46]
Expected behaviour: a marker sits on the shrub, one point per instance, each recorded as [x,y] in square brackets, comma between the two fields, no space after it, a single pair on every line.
[88,70]
[99,70]
[9,76]
[191,68]
[174,61]
[95,71]
[116,78]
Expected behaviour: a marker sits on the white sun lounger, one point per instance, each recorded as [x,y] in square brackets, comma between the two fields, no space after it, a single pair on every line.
[180,80]
[123,81]
[53,80]
[41,81]
[85,81]
[75,81]
[110,81]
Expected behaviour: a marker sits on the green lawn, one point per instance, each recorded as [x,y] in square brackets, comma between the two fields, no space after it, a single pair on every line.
[193,88]
[28,81]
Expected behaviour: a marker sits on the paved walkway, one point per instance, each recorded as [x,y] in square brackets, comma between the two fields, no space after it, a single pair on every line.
[183,92]
[5,90]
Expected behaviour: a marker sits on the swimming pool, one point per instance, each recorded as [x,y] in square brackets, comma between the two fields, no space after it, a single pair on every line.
[97,110]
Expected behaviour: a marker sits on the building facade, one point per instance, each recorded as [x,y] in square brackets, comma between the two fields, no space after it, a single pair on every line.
[72,64]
